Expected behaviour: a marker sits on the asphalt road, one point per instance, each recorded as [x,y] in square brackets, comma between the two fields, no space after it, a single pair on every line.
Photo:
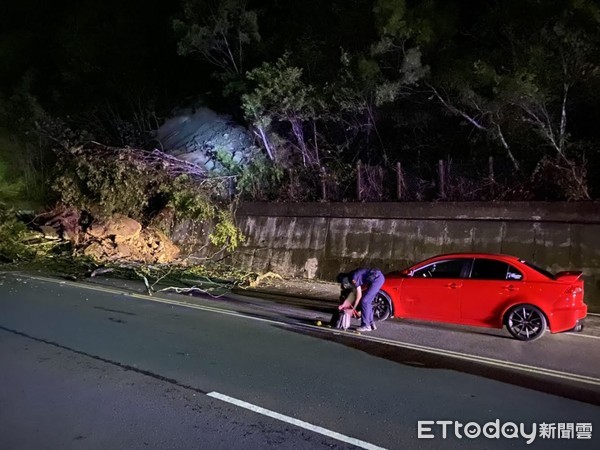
[91,367]
[569,356]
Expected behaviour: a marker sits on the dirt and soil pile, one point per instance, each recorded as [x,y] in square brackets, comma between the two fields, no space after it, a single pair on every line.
[117,238]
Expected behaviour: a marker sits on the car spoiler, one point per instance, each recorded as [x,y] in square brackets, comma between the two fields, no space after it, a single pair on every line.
[568,276]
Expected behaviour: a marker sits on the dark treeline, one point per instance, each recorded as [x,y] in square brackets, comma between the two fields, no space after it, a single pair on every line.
[505,93]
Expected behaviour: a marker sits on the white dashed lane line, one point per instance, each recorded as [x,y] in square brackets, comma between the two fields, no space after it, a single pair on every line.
[296,422]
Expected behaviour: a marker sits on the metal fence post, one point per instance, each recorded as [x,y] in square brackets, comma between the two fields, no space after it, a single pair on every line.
[358,181]
[442,178]
[399,181]
[492,177]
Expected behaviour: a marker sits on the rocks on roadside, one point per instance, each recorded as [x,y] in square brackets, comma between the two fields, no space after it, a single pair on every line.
[120,228]
[118,238]
[50,233]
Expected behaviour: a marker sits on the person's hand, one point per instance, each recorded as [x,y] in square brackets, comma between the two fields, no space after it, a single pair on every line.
[354,313]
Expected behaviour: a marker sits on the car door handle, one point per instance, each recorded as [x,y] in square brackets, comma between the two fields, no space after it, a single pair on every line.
[510,287]
[452,285]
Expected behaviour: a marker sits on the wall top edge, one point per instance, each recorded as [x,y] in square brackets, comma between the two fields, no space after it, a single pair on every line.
[568,212]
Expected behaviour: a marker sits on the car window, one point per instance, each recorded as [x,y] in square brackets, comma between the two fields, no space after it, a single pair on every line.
[538,269]
[450,268]
[491,269]
[513,273]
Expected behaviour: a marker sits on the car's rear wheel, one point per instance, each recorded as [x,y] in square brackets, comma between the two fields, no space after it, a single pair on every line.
[382,307]
[526,322]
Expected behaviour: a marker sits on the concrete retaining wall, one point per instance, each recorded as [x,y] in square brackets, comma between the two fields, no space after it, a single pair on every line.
[317,241]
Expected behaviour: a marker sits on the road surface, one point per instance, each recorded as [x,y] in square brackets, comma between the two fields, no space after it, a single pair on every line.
[93,367]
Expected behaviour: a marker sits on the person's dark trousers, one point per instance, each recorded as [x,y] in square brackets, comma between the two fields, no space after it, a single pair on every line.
[366,302]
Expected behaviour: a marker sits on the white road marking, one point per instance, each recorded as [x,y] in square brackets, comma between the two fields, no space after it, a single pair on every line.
[431,350]
[489,361]
[582,335]
[296,422]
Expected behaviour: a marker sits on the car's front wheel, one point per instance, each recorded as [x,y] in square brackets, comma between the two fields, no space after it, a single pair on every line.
[526,322]
[382,307]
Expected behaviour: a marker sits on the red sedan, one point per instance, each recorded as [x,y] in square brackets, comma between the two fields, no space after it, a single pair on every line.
[486,290]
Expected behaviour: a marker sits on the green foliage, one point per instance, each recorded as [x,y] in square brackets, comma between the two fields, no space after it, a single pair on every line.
[10,189]
[12,233]
[398,52]
[355,84]
[391,18]
[258,179]
[417,24]
[188,199]
[217,32]
[106,181]
[191,201]
[226,234]
[106,185]
[418,81]
[20,109]
[27,136]
[279,96]
[207,277]
[217,273]
[22,175]
[519,90]
[279,93]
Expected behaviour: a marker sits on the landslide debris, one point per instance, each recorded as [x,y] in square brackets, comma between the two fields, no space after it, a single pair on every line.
[111,239]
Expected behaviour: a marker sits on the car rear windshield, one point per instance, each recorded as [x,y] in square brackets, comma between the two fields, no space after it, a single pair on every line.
[538,269]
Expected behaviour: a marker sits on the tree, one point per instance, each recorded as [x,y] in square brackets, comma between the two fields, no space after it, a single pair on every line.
[398,51]
[514,76]
[280,96]
[385,76]
[220,36]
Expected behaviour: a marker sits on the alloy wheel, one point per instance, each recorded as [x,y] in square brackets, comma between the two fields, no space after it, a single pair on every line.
[381,307]
[526,322]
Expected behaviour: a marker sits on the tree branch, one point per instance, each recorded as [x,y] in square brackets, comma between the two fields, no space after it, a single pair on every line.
[457,111]
[507,148]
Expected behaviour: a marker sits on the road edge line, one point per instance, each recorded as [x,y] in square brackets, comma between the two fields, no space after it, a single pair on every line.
[441,352]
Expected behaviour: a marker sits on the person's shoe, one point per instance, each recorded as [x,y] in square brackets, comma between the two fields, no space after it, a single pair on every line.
[364,328]
[373,327]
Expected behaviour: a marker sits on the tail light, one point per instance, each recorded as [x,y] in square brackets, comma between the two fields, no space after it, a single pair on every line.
[574,290]
[571,297]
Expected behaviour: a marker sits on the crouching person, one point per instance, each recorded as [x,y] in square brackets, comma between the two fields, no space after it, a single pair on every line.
[365,284]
